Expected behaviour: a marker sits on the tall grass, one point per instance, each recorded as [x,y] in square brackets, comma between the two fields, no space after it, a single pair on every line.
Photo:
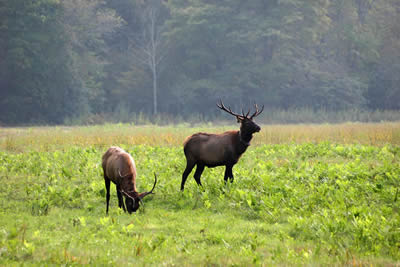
[269,116]
[52,138]
[305,115]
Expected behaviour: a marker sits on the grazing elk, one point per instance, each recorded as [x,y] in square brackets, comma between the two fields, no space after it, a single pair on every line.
[211,150]
[119,167]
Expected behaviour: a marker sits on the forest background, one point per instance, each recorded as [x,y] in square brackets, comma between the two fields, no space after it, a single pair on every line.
[90,61]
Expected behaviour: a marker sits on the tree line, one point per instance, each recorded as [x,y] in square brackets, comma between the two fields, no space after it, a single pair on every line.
[62,59]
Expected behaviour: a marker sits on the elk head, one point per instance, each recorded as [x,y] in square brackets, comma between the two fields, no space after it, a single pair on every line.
[133,199]
[247,125]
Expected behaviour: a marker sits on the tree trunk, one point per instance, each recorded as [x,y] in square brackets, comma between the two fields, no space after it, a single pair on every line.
[154,90]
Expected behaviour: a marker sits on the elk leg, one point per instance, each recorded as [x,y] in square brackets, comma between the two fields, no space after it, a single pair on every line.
[228,173]
[189,168]
[107,182]
[197,174]
[231,174]
[120,199]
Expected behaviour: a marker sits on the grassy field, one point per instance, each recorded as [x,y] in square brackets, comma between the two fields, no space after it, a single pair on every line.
[302,195]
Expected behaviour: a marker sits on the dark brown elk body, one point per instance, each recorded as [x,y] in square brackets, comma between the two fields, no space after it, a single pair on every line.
[211,150]
[119,167]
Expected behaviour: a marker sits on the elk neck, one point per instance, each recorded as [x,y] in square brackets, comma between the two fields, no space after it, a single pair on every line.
[245,138]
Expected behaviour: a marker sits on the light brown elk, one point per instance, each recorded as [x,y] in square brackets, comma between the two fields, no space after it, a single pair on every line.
[211,150]
[119,167]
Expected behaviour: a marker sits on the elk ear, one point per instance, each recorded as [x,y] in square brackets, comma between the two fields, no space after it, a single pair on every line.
[238,119]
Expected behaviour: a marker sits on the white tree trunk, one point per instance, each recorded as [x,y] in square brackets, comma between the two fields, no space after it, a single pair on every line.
[155,90]
[149,49]
[153,63]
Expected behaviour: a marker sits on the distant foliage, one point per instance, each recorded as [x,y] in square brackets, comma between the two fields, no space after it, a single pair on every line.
[64,61]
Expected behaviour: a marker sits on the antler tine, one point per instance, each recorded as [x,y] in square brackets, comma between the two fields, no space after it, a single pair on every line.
[262,109]
[222,106]
[155,182]
[256,107]
[229,110]
[257,112]
[247,114]
[126,194]
[141,196]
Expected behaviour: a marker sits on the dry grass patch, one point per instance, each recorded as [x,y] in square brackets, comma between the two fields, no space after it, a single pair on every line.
[51,138]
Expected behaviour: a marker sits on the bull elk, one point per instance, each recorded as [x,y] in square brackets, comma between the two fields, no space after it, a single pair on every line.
[212,150]
[119,167]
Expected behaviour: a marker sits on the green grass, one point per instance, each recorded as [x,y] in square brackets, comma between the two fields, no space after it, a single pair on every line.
[306,203]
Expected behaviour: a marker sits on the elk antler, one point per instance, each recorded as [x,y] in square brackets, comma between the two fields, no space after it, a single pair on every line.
[222,106]
[141,196]
[155,182]
[257,112]
[247,114]
[228,109]
[127,195]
